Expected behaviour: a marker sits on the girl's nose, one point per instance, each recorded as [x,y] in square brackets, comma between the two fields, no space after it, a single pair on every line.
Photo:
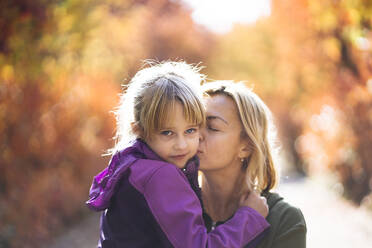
[181,143]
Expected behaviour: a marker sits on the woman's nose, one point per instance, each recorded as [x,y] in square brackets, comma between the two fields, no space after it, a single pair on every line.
[202,134]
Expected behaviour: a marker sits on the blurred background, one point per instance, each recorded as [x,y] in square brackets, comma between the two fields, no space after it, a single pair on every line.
[62,63]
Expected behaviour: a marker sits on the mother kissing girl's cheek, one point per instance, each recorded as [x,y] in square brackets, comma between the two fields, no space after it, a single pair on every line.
[236,155]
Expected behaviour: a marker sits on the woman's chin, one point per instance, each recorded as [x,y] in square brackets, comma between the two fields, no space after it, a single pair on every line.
[204,167]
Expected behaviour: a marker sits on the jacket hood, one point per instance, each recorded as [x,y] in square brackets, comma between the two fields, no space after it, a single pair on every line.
[104,183]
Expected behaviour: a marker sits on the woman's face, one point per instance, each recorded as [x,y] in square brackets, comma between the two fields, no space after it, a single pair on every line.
[221,144]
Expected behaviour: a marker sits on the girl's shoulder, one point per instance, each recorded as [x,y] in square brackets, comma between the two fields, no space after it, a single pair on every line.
[145,171]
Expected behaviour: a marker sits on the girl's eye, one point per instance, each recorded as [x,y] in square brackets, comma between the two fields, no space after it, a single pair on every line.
[191,130]
[166,133]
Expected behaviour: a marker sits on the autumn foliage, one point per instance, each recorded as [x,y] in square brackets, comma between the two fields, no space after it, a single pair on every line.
[312,63]
[62,63]
[330,48]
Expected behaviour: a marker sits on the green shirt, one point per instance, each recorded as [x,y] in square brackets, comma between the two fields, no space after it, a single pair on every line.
[288,226]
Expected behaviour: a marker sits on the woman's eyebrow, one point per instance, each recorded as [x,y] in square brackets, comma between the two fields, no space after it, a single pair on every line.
[213,117]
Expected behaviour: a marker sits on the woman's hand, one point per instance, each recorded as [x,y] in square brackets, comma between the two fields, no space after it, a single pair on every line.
[255,201]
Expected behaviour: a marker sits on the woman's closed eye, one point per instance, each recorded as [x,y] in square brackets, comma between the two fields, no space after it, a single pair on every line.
[211,128]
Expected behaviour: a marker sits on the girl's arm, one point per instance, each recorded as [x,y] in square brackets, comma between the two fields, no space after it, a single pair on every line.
[177,209]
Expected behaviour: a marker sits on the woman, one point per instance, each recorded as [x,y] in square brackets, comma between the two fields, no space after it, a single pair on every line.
[236,157]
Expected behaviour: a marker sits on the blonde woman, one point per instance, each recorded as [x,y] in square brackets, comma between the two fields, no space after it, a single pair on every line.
[237,156]
[149,193]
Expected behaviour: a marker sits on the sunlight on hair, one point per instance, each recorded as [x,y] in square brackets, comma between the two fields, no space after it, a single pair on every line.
[143,104]
[220,15]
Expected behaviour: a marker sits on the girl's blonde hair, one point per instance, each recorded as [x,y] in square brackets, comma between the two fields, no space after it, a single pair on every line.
[258,128]
[150,97]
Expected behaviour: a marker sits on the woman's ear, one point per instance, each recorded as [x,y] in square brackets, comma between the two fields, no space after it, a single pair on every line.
[245,150]
[136,129]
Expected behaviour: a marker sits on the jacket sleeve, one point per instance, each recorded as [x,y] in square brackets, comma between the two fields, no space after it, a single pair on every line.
[177,209]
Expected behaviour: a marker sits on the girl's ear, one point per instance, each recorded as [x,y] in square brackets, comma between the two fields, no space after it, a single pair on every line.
[136,129]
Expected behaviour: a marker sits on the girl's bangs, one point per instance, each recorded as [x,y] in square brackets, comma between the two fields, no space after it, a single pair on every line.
[192,110]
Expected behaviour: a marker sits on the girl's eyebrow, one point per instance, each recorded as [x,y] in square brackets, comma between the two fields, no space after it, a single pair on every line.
[213,117]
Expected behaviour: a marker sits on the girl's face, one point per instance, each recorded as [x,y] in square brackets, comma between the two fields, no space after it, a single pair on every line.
[178,140]
[221,145]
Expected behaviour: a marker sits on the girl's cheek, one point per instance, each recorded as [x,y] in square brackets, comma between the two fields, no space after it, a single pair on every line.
[194,135]
[194,141]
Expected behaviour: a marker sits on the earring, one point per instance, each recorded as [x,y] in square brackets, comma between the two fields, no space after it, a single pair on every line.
[244,163]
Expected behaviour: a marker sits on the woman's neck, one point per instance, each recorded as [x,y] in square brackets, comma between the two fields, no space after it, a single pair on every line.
[221,192]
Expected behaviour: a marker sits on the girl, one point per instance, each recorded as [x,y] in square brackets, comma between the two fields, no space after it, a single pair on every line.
[149,192]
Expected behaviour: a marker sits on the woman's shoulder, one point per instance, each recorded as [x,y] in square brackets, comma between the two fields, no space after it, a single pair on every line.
[287,224]
[277,203]
[281,210]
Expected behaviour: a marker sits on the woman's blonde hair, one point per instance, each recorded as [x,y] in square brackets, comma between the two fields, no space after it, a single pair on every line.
[258,128]
[150,97]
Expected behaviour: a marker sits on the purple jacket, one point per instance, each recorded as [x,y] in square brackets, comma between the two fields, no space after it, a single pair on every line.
[150,203]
